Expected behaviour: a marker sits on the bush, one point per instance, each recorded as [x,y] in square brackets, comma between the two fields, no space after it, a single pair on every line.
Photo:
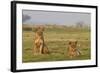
[27,28]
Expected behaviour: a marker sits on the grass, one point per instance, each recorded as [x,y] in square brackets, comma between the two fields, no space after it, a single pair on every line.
[57,40]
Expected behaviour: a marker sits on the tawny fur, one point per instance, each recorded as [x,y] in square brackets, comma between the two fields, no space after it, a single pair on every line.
[72,48]
[39,44]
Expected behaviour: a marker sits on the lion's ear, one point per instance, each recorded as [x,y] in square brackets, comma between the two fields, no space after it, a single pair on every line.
[76,42]
[69,42]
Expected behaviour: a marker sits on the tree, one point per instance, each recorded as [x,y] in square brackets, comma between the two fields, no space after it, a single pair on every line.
[80,24]
[25,17]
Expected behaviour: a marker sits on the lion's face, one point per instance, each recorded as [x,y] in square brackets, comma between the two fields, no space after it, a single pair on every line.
[73,44]
[39,29]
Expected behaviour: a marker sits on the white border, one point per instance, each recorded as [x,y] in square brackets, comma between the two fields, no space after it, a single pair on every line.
[36,65]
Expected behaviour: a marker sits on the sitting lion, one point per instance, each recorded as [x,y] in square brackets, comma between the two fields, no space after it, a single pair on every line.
[39,44]
[73,51]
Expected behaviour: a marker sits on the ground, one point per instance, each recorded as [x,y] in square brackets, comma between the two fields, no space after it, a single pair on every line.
[56,38]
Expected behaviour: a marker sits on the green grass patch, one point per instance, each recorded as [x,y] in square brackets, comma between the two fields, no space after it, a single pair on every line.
[57,39]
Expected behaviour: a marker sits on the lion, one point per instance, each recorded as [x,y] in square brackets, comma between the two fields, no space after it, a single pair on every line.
[73,51]
[39,44]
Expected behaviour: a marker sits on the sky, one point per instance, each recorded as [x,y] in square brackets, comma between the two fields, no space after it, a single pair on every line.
[53,17]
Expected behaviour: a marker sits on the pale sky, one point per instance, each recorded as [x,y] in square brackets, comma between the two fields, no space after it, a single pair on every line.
[52,17]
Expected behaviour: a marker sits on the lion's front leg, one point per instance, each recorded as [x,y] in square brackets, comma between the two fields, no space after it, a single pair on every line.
[35,50]
[41,48]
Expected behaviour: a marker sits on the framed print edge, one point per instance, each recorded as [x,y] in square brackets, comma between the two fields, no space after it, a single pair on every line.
[14,30]
[13,36]
[96,36]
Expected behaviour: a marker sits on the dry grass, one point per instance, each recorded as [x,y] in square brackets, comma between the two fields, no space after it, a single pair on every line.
[57,40]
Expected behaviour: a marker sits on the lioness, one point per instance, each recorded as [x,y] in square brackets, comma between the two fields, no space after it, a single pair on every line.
[72,49]
[39,44]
